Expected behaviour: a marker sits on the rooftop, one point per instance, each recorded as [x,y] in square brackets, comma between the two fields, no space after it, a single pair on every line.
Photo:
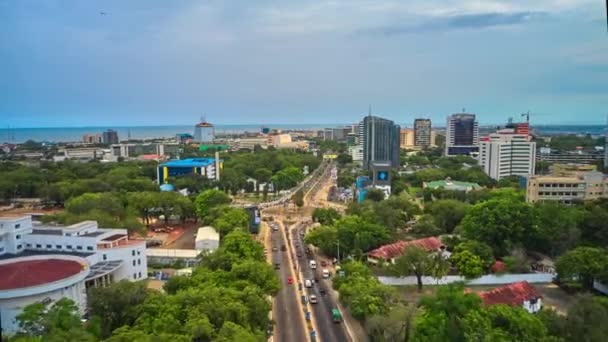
[204,124]
[397,249]
[28,273]
[26,253]
[191,162]
[452,184]
[47,231]
[513,294]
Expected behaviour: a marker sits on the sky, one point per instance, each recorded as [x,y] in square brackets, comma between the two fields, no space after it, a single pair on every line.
[157,62]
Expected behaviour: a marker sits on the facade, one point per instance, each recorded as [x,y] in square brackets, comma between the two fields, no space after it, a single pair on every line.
[204,132]
[132,151]
[462,135]
[82,154]
[281,139]
[45,263]
[207,167]
[506,154]
[109,137]
[581,186]
[451,185]
[422,133]
[406,138]
[92,139]
[546,154]
[520,294]
[250,143]
[380,141]
[207,239]
[356,152]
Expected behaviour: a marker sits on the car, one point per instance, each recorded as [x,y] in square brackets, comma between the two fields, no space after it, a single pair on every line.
[312,299]
[299,254]
[307,283]
[323,263]
[325,273]
[289,280]
[322,291]
[283,248]
[275,249]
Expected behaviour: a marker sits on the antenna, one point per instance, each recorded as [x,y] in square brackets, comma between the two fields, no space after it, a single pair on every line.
[204,117]
[370,110]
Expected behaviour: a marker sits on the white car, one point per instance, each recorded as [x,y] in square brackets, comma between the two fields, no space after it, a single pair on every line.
[308,283]
[325,274]
[312,299]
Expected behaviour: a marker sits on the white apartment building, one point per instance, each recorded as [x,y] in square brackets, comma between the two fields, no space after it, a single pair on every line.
[45,263]
[505,154]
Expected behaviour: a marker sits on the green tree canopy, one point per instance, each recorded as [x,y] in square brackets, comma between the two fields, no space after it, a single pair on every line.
[447,213]
[209,199]
[582,264]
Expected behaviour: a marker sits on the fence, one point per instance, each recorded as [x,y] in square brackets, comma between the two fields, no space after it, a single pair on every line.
[490,279]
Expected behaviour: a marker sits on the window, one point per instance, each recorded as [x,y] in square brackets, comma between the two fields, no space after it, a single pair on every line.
[134,275]
[19,246]
[18,225]
[139,274]
[49,246]
[133,253]
[133,262]
[38,245]
[28,245]
[58,246]
[68,246]
[89,248]
[17,236]
[138,252]
[105,257]
[139,261]
[79,248]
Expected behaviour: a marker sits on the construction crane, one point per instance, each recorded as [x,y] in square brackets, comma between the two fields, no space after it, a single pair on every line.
[527,115]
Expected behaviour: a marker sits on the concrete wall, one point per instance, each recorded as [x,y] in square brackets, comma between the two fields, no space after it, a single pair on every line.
[490,279]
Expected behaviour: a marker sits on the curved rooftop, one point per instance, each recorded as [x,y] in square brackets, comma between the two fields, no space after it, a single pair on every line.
[28,273]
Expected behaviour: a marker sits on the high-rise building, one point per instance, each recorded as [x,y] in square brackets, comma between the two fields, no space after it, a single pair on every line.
[92,138]
[406,138]
[109,137]
[462,135]
[505,153]
[422,133]
[204,132]
[380,141]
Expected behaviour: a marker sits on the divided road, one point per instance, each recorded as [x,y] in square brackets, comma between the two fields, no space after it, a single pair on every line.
[286,310]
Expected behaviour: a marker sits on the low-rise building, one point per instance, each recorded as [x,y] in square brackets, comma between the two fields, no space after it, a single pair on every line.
[207,239]
[520,294]
[135,151]
[206,167]
[578,187]
[391,252]
[41,263]
[449,184]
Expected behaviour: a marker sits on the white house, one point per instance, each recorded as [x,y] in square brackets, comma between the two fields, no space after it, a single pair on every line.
[207,239]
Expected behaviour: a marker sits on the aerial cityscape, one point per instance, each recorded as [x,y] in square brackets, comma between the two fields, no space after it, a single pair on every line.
[304,171]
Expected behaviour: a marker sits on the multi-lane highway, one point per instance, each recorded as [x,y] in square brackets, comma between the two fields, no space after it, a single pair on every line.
[286,311]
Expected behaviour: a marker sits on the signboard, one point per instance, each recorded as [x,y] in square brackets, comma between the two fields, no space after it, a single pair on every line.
[330,156]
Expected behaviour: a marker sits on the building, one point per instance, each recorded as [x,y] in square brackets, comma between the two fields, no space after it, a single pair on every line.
[281,139]
[92,139]
[81,154]
[380,141]
[206,167]
[462,135]
[505,153]
[406,138]
[520,294]
[109,137]
[134,151]
[381,176]
[249,143]
[578,187]
[356,152]
[207,239]
[423,133]
[336,133]
[451,185]
[46,263]
[548,155]
[520,128]
[389,253]
[188,257]
[204,132]
[301,145]
[182,138]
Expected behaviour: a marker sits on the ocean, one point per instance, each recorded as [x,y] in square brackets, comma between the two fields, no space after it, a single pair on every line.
[72,134]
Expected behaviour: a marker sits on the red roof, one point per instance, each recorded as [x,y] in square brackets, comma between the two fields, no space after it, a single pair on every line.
[22,274]
[397,249]
[499,267]
[514,294]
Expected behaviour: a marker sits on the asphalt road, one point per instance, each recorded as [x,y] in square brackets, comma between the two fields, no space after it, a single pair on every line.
[289,326]
[328,331]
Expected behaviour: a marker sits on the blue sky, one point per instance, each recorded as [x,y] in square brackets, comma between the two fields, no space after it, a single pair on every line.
[259,62]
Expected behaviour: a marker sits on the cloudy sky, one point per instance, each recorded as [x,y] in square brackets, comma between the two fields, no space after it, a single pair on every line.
[64,63]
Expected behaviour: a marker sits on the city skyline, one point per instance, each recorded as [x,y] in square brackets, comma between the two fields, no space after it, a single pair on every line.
[144,63]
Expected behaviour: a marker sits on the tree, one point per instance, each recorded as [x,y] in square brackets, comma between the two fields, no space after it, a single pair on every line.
[209,199]
[558,227]
[594,227]
[52,322]
[425,226]
[587,320]
[344,159]
[583,265]
[287,178]
[447,213]
[298,198]
[500,223]
[396,325]
[117,305]
[325,216]
[230,219]
[375,195]
[503,323]
[262,175]
[479,249]
[469,265]
[414,261]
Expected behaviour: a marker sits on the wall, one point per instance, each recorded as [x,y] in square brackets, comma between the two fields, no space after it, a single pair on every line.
[490,279]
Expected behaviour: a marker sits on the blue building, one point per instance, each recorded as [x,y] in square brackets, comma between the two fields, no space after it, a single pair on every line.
[362,183]
[206,167]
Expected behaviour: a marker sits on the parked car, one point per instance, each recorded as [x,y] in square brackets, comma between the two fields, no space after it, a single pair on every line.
[289,280]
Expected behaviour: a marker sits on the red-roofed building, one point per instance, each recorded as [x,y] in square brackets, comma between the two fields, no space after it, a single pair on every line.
[517,294]
[388,253]
[499,267]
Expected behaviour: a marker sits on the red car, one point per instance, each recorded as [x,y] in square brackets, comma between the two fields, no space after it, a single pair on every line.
[289,280]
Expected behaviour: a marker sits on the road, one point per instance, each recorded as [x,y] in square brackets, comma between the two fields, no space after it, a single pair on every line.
[328,331]
[286,310]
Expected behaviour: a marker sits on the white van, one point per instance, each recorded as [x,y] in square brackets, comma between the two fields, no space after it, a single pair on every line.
[313,264]
[307,283]
[325,274]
